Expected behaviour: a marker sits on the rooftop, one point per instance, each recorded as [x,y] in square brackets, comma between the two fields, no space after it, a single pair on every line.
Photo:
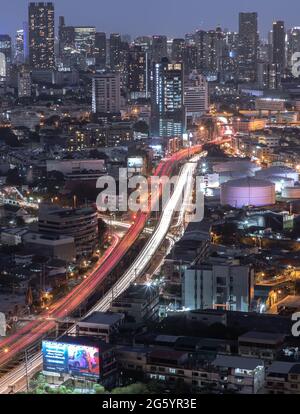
[104,318]
[237,362]
[262,337]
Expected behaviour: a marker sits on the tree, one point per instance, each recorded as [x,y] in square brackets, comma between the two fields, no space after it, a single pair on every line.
[132,389]
[98,389]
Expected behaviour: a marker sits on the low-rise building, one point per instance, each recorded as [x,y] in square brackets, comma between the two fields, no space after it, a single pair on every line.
[139,303]
[100,324]
[81,224]
[260,345]
[283,378]
[223,284]
[55,246]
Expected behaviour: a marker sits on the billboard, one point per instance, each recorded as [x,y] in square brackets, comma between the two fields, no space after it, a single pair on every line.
[72,359]
[135,162]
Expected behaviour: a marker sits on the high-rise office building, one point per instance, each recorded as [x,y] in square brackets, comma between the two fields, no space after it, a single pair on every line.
[178,48]
[19,56]
[201,42]
[100,50]
[144,42]
[106,93]
[24,82]
[41,35]
[268,75]
[279,44]
[196,95]
[190,58]
[85,41]
[6,47]
[168,112]
[138,73]
[66,37]
[159,48]
[248,46]
[115,51]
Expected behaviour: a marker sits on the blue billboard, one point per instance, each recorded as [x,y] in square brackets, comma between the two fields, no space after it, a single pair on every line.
[72,359]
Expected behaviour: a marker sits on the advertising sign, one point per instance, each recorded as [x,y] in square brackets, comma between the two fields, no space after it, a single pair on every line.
[72,359]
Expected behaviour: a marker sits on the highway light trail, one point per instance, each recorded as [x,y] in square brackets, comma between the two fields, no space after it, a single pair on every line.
[35,331]
[185,181]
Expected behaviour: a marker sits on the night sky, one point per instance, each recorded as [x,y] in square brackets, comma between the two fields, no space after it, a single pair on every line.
[170,17]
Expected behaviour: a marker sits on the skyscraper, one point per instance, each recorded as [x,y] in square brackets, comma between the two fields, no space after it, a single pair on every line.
[24,82]
[138,72]
[196,95]
[248,46]
[269,75]
[190,58]
[279,44]
[115,50]
[201,42]
[168,112]
[178,47]
[6,47]
[6,50]
[159,48]
[19,56]
[69,57]
[106,93]
[100,50]
[85,39]
[41,35]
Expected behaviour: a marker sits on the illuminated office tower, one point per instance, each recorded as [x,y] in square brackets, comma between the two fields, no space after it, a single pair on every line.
[66,37]
[85,38]
[6,48]
[247,46]
[168,112]
[19,56]
[41,35]
[138,73]
[196,99]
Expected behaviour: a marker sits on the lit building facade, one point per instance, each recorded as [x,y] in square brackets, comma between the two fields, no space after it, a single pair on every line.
[41,35]
[168,112]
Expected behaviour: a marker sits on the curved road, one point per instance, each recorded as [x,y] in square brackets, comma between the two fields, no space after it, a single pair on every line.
[34,331]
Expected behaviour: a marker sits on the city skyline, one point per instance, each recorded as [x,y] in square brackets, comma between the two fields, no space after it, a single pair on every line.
[174,23]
